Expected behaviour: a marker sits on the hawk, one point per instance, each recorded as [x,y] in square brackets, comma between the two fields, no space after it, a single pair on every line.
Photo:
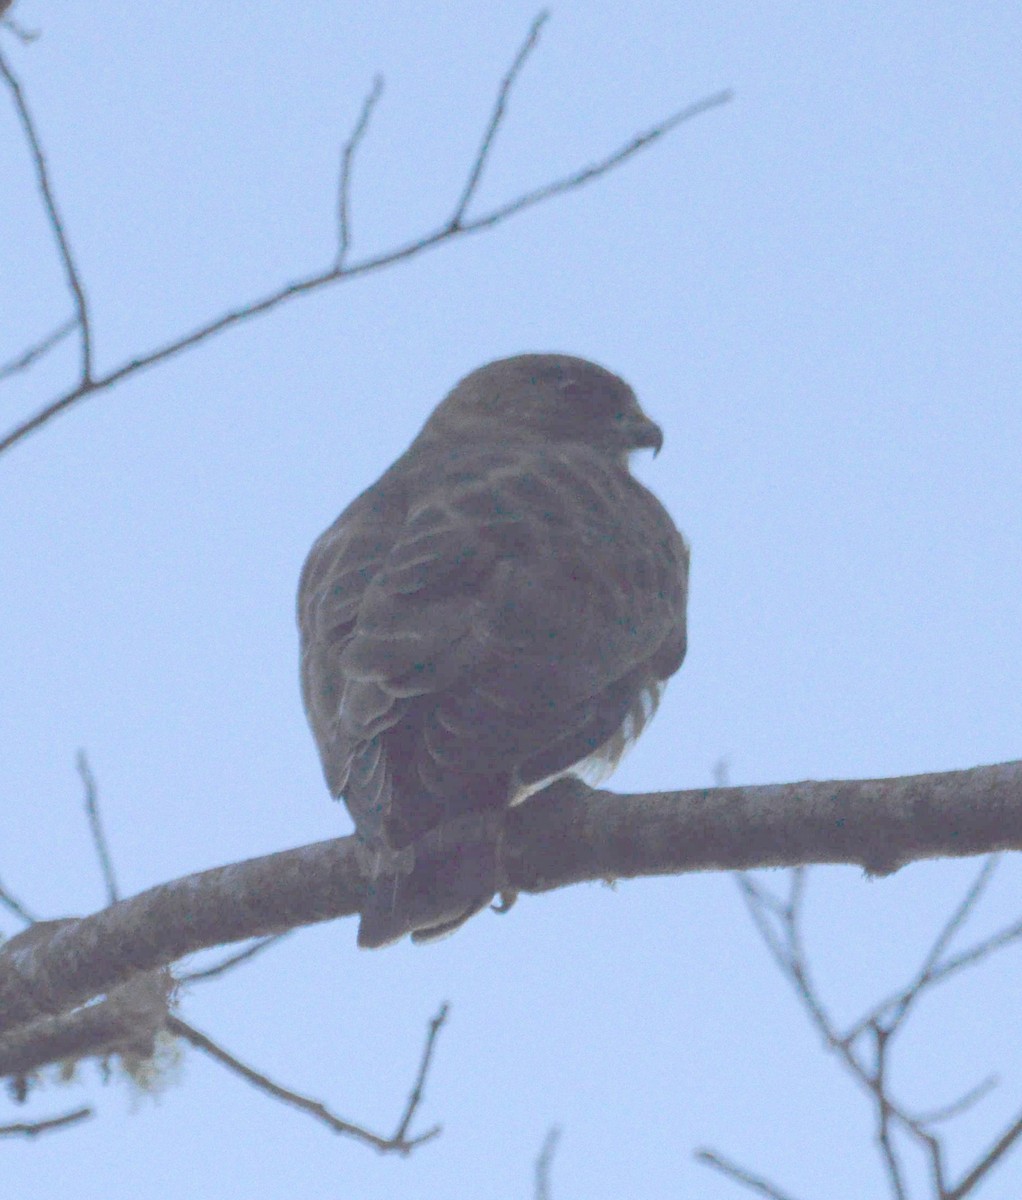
[501,608]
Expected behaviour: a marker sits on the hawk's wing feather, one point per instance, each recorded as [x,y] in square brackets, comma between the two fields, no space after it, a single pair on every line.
[511,598]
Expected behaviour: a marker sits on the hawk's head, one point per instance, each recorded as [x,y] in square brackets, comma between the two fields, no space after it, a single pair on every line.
[553,397]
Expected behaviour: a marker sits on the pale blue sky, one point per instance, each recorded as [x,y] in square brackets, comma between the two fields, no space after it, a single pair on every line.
[815,290]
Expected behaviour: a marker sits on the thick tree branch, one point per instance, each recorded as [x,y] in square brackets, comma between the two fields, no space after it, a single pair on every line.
[566,834]
[126,1022]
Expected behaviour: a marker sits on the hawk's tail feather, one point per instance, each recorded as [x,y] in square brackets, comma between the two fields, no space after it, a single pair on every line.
[455,875]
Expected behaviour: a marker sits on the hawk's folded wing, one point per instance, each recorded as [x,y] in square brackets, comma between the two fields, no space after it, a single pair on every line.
[473,627]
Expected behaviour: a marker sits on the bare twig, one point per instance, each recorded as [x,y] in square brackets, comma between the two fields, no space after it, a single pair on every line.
[780,927]
[449,230]
[934,1116]
[755,1183]
[499,108]
[232,960]
[600,167]
[40,348]
[34,1128]
[788,951]
[26,36]
[933,971]
[989,1160]
[56,224]
[385,1145]
[347,160]
[96,827]
[12,904]
[544,1161]
[415,1096]
[951,926]
[888,1150]
[981,950]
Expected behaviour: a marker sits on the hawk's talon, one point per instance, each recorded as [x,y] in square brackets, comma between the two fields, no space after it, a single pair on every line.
[506,903]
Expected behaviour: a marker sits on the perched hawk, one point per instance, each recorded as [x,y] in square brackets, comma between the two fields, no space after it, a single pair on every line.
[502,607]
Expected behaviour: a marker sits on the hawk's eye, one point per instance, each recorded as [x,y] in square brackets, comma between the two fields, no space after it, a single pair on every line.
[597,402]
[575,392]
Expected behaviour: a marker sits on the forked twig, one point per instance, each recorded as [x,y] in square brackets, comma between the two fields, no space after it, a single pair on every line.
[779,924]
[451,228]
[496,116]
[398,1143]
[415,1096]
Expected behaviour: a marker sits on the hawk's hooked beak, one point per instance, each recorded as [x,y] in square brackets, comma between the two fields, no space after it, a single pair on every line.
[645,434]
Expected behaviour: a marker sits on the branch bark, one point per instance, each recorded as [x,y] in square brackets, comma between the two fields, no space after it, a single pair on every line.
[565,835]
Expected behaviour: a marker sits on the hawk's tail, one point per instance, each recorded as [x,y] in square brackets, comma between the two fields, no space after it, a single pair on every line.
[454,876]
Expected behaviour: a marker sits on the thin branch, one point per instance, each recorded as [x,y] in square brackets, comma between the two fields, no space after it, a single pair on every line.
[732,1170]
[233,960]
[989,1160]
[308,284]
[499,108]
[12,904]
[600,167]
[25,36]
[888,1150]
[981,950]
[935,1116]
[933,972]
[96,827]
[790,956]
[56,224]
[347,160]
[39,349]
[385,1145]
[415,1096]
[544,1161]
[951,926]
[34,1128]
[757,901]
